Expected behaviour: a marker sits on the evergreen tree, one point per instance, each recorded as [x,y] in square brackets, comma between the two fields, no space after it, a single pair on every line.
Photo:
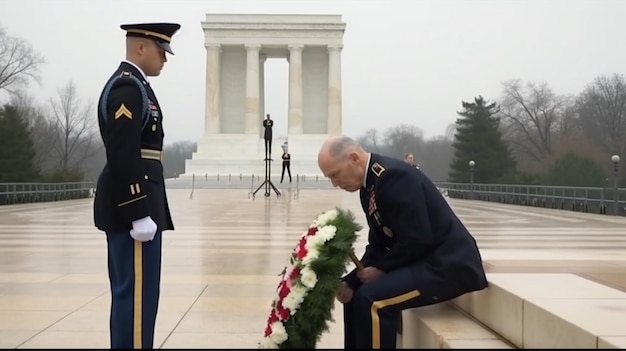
[478,139]
[17,150]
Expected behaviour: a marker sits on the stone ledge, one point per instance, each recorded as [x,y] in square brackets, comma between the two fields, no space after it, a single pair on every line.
[548,310]
[444,326]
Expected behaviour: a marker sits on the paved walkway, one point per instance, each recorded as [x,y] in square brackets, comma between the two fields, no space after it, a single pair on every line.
[221,265]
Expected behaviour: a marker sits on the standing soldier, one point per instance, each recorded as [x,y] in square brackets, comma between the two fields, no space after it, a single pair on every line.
[131,205]
[286,164]
[267,135]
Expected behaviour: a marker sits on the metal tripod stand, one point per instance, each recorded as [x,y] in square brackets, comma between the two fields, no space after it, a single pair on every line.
[268,182]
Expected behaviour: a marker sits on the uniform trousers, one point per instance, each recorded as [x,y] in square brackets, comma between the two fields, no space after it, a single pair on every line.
[287,166]
[371,317]
[135,276]
[268,144]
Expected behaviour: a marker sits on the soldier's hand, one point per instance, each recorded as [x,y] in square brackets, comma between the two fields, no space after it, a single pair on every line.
[369,274]
[143,229]
[344,295]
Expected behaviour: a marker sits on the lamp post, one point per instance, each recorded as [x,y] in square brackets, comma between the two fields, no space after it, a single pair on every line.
[615,159]
[471,164]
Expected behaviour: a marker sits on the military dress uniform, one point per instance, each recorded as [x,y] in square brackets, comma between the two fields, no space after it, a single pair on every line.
[130,187]
[416,239]
[286,166]
[267,136]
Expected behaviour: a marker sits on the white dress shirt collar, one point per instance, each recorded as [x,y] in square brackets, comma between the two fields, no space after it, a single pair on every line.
[145,78]
[367,166]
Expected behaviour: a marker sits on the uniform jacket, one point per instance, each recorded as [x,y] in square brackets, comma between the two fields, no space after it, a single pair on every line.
[411,224]
[268,124]
[131,185]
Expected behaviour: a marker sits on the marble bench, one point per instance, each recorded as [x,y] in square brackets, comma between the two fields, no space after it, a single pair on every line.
[549,311]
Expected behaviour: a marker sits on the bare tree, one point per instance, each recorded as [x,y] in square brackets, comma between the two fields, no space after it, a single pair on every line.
[602,113]
[531,114]
[450,131]
[370,140]
[402,139]
[434,155]
[74,123]
[19,62]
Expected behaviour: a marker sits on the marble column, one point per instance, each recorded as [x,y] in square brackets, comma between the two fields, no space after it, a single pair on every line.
[212,108]
[253,106]
[262,60]
[334,89]
[295,89]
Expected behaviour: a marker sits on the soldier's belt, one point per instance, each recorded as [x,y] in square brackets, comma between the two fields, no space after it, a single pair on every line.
[152,154]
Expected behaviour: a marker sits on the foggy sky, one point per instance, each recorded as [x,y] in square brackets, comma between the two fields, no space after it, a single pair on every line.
[403,61]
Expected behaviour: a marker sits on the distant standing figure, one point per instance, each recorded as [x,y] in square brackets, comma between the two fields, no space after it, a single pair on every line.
[286,165]
[408,158]
[268,124]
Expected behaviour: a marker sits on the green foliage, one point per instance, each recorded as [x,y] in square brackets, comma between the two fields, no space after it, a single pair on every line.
[576,170]
[71,175]
[523,178]
[305,328]
[478,138]
[17,150]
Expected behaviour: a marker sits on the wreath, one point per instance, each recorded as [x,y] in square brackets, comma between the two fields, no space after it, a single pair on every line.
[306,293]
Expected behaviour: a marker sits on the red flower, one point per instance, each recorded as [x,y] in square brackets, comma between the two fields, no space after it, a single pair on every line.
[283,290]
[301,250]
[312,231]
[293,275]
[273,318]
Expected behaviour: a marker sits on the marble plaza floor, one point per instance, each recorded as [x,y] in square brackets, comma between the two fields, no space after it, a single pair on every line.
[221,265]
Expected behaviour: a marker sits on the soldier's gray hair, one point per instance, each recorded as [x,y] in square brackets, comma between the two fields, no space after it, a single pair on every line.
[341,145]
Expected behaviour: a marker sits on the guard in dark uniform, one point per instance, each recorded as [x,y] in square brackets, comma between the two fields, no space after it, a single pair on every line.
[131,205]
[286,165]
[418,253]
[268,123]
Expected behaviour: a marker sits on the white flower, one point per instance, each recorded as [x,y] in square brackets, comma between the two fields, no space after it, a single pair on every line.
[326,217]
[311,255]
[308,277]
[326,233]
[279,334]
[295,297]
[267,343]
[313,242]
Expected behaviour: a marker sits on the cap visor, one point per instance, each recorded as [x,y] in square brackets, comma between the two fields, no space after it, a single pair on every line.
[165,46]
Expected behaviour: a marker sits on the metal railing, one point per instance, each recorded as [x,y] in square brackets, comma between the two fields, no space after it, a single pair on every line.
[241,181]
[582,199]
[16,193]
[249,182]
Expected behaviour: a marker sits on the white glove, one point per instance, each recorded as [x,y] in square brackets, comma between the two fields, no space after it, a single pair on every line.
[143,229]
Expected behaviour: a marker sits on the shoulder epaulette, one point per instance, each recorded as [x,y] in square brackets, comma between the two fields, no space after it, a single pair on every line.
[377,169]
[144,97]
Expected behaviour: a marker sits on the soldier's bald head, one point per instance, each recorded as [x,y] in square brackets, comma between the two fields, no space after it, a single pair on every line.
[343,161]
[338,146]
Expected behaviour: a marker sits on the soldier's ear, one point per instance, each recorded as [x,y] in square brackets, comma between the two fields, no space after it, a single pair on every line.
[353,157]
